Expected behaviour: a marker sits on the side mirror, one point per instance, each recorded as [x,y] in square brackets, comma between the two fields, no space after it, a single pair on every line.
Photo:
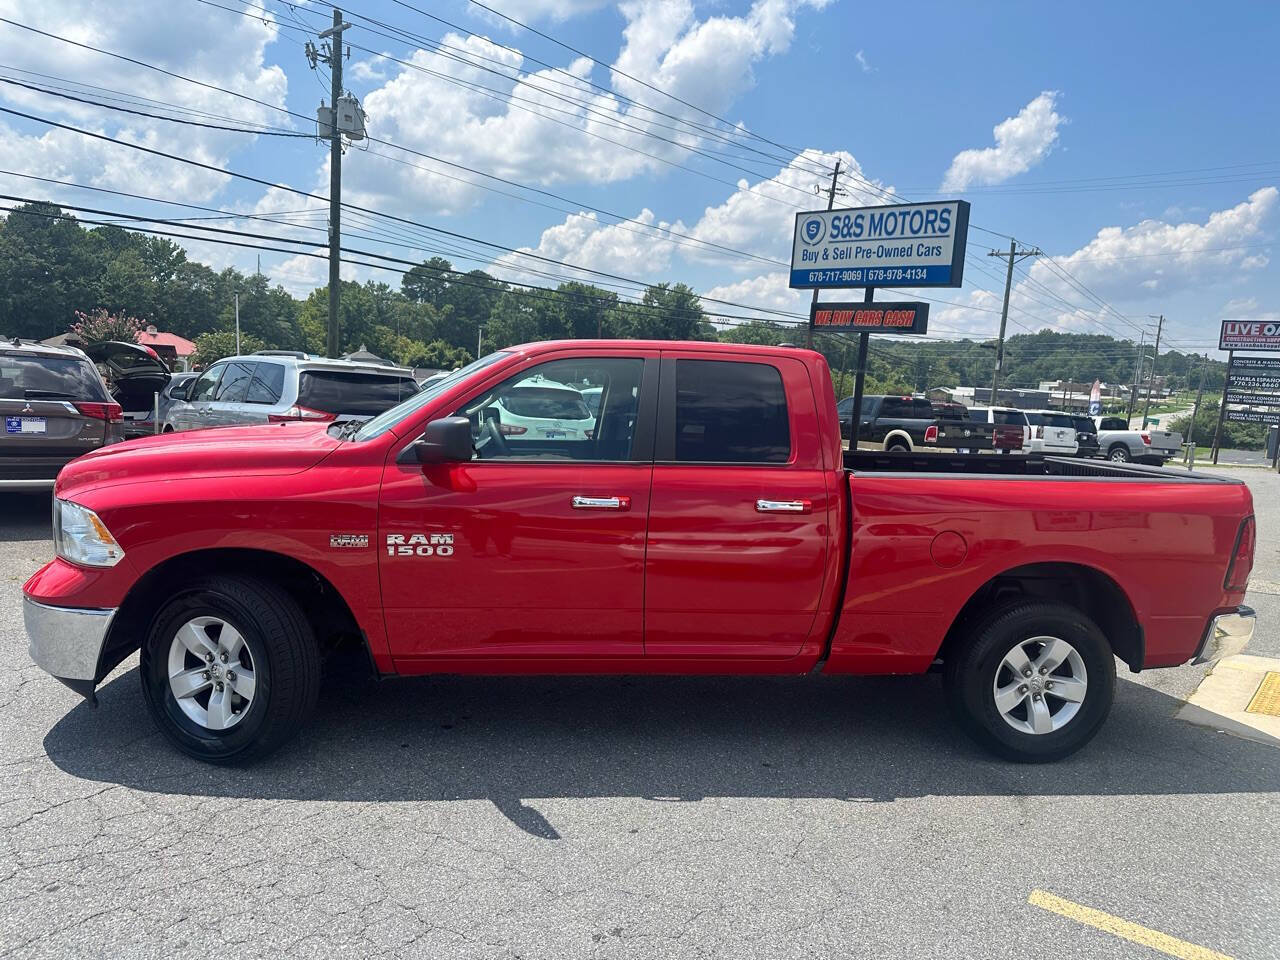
[447,440]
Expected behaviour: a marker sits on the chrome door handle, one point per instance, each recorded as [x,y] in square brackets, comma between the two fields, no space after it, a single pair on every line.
[602,503]
[784,506]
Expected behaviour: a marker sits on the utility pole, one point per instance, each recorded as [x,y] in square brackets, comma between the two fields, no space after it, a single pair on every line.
[1151,377]
[1137,375]
[831,201]
[1195,412]
[237,323]
[1013,256]
[332,54]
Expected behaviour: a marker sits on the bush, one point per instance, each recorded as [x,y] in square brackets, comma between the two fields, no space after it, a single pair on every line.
[1235,436]
[99,326]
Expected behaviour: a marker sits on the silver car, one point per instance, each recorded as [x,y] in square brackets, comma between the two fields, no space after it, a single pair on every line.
[273,386]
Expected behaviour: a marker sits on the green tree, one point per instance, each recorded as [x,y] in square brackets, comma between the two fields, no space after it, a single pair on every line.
[213,346]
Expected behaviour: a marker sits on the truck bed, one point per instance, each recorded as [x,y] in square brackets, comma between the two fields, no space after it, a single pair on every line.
[1018,464]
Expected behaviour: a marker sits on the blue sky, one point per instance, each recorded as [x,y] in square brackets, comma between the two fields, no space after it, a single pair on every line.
[1136,144]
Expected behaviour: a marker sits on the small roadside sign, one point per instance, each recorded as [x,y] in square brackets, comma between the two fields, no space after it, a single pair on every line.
[901,318]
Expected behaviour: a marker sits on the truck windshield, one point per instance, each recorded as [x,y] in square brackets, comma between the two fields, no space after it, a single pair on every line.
[385,421]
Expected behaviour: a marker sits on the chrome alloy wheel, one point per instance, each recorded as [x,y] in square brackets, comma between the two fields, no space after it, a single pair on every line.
[211,673]
[1040,685]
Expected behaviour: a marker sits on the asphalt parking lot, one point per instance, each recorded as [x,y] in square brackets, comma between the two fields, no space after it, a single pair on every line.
[629,817]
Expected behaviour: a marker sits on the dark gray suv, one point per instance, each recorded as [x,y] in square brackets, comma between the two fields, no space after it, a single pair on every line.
[55,407]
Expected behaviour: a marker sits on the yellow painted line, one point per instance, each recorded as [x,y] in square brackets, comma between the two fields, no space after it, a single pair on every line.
[1123,928]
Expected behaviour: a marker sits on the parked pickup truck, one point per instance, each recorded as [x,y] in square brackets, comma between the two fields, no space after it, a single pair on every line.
[903,424]
[709,523]
[1118,443]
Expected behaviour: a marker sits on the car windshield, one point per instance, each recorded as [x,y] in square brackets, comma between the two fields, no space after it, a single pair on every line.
[1057,420]
[28,376]
[385,421]
[545,403]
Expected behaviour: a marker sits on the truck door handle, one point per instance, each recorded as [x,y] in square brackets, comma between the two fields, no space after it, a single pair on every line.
[602,503]
[784,506]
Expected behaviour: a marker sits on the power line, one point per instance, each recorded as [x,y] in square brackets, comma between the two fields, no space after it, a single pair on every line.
[154,116]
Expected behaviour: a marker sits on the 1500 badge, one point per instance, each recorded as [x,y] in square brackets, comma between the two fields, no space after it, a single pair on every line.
[420,545]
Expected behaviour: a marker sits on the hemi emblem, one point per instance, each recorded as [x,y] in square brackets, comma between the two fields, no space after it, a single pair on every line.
[345,540]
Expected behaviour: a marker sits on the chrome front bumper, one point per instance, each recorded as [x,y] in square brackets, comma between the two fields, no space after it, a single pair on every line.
[67,641]
[1228,634]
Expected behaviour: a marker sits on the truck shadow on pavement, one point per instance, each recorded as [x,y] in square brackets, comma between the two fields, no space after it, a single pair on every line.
[514,740]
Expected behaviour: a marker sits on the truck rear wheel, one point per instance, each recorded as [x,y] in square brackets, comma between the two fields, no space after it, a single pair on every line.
[1033,682]
[230,669]
[1119,453]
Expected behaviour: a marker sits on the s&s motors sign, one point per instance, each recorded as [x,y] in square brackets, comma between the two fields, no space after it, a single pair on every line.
[899,245]
[1249,335]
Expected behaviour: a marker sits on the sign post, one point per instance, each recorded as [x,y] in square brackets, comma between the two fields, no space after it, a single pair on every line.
[892,245]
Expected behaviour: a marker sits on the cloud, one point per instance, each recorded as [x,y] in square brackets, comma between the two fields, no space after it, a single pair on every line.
[625,249]
[229,52]
[1021,143]
[756,219]
[528,11]
[1123,266]
[553,125]
[862,62]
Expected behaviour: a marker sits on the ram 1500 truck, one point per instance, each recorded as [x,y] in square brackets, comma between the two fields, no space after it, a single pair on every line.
[708,522]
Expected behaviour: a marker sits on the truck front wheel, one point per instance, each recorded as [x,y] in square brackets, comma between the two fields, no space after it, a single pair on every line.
[230,669]
[1032,682]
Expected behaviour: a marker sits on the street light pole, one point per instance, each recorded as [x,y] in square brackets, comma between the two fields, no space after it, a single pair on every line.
[1151,377]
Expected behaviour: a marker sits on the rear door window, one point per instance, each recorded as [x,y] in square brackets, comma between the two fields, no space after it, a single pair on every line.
[1113,423]
[896,407]
[978,414]
[234,385]
[34,377]
[730,412]
[355,393]
[921,408]
[267,384]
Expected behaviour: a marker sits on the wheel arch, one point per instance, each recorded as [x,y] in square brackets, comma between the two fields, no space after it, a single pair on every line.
[1084,587]
[902,435]
[328,612]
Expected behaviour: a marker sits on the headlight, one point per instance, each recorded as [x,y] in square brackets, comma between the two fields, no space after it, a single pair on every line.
[81,537]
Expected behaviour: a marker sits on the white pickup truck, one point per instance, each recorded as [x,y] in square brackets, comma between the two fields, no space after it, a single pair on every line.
[1116,441]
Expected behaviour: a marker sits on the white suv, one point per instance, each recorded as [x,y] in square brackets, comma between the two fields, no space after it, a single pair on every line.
[1052,431]
[539,409]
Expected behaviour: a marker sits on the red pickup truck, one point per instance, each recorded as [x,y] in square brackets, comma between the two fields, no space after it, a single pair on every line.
[698,516]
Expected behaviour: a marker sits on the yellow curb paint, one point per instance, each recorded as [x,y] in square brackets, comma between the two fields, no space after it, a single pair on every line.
[1267,699]
[1123,928]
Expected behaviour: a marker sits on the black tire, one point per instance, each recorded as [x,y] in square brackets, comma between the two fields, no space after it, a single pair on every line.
[897,446]
[285,658]
[1119,453]
[972,667]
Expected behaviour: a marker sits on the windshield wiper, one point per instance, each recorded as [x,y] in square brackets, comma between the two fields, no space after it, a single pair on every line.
[48,395]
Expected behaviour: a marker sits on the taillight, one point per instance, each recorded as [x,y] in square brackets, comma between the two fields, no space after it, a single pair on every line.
[931,434]
[1146,438]
[110,412]
[1241,565]
[300,413]
[510,430]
